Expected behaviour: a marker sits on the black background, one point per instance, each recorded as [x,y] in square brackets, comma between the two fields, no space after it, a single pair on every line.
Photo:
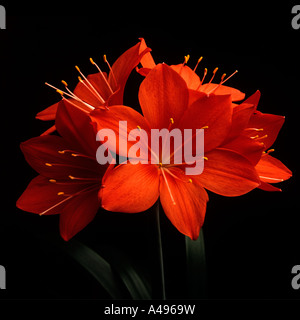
[252,242]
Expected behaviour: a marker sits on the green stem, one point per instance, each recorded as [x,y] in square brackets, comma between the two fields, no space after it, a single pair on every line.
[160,252]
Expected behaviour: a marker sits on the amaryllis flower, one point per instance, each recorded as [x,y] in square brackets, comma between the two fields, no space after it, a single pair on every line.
[164,99]
[194,83]
[97,89]
[69,175]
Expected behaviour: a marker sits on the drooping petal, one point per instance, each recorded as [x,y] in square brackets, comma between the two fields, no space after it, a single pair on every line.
[163,95]
[272,170]
[270,125]
[130,188]
[228,173]
[122,68]
[78,213]
[268,187]
[74,125]
[188,212]
[45,197]
[236,95]
[214,112]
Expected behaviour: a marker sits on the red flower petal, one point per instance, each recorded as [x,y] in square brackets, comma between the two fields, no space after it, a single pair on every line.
[188,212]
[122,68]
[236,95]
[44,197]
[190,77]
[48,113]
[228,173]
[247,147]
[213,111]
[163,95]
[271,125]
[78,213]
[272,170]
[131,188]
[110,119]
[254,99]
[74,125]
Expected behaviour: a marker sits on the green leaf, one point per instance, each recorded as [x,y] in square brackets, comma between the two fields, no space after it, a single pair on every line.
[196,267]
[136,284]
[91,261]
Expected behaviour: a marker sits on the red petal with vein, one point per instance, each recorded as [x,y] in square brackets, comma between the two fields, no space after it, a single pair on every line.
[270,123]
[163,95]
[74,125]
[247,147]
[236,95]
[110,119]
[187,215]
[272,170]
[45,155]
[41,196]
[213,111]
[78,213]
[131,188]
[228,173]
[190,77]
[241,115]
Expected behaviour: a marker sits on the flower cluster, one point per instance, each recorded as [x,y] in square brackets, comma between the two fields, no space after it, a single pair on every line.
[237,142]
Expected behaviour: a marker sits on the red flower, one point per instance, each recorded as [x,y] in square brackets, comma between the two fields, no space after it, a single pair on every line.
[70,177]
[193,81]
[97,89]
[164,99]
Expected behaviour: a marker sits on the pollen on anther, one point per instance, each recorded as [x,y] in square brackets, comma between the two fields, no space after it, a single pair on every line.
[92,61]
[52,180]
[60,193]
[190,181]
[48,164]
[64,83]
[205,158]
[139,128]
[171,120]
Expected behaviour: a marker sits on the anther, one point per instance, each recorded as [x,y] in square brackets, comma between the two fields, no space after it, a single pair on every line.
[64,83]
[139,128]
[104,58]
[52,180]
[186,59]
[48,164]
[199,60]
[205,127]
[110,69]
[60,92]
[60,193]
[77,68]
[190,181]
[270,150]
[205,158]
[204,75]
[92,61]
[171,120]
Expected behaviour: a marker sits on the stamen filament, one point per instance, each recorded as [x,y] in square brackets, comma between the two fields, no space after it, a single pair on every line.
[90,86]
[168,187]
[110,69]
[102,75]
[196,66]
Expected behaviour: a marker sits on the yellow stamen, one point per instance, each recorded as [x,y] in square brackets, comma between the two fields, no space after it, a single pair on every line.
[205,158]
[139,128]
[199,60]
[60,193]
[104,58]
[77,68]
[64,83]
[172,120]
[52,180]
[48,164]
[186,58]
[190,181]
[92,61]
[205,127]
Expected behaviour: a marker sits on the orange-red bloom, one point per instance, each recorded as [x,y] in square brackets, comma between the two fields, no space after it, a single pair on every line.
[164,99]
[97,89]
[69,175]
